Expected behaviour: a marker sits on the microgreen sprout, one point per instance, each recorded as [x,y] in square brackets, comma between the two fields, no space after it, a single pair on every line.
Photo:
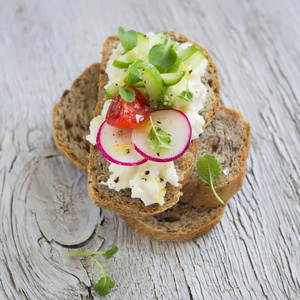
[158,139]
[209,170]
[105,284]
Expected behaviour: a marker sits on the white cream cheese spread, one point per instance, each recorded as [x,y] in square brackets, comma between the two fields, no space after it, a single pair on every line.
[147,181]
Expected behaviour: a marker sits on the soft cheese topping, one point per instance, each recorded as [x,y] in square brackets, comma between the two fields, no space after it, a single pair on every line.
[148,180]
[96,123]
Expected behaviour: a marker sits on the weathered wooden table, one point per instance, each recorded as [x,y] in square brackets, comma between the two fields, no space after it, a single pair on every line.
[44,207]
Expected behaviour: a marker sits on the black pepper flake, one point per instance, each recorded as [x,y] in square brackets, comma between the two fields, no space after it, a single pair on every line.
[190,71]
[116,84]
[158,122]
[127,151]
[169,134]
[171,95]
[145,81]
[147,172]
[145,35]
[158,154]
[116,180]
[161,180]
[158,128]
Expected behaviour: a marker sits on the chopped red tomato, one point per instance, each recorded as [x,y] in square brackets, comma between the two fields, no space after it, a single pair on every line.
[122,114]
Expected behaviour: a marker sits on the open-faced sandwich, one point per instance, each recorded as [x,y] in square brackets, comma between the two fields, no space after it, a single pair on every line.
[156,94]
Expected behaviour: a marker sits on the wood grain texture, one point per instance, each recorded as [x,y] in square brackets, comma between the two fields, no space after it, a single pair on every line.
[254,253]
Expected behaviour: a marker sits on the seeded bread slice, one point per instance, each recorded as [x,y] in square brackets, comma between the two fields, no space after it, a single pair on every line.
[179,223]
[98,170]
[228,138]
[72,115]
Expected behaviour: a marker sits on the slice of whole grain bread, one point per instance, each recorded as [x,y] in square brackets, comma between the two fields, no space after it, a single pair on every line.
[72,115]
[98,171]
[181,222]
[228,138]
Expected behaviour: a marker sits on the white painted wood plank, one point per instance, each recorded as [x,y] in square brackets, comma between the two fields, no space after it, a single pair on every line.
[45,211]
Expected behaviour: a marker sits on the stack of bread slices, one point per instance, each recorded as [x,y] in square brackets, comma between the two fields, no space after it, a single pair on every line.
[190,209]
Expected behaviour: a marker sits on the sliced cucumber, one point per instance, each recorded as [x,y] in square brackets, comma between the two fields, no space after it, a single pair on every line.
[120,64]
[172,78]
[113,88]
[128,58]
[143,46]
[193,61]
[158,38]
[170,98]
[186,53]
[139,84]
[153,82]
[144,92]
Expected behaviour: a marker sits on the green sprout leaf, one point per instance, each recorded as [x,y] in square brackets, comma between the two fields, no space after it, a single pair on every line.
[163,56]
[186,95]
[103,286]
[158,139]
[127,94]
[133,75]
[209,170]
[109,253]
[128,39]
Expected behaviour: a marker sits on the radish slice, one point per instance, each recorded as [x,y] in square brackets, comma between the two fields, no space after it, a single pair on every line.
[116,146]
[175,123]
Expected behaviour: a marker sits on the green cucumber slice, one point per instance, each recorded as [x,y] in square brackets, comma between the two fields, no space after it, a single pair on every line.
[139,84]
[158,38]
[153,82]
[113,88]
[168,79]
[194,61]
[188,52]
[125,60]
[172,78]
[142,46]
[170,98]
[120,64]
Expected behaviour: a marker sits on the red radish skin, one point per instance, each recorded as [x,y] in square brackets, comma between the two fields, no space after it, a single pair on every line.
[104,133]
[183,131]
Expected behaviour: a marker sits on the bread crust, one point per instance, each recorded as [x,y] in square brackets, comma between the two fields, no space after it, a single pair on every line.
[169,227]
[122,203]
[86,87]
[200,194]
